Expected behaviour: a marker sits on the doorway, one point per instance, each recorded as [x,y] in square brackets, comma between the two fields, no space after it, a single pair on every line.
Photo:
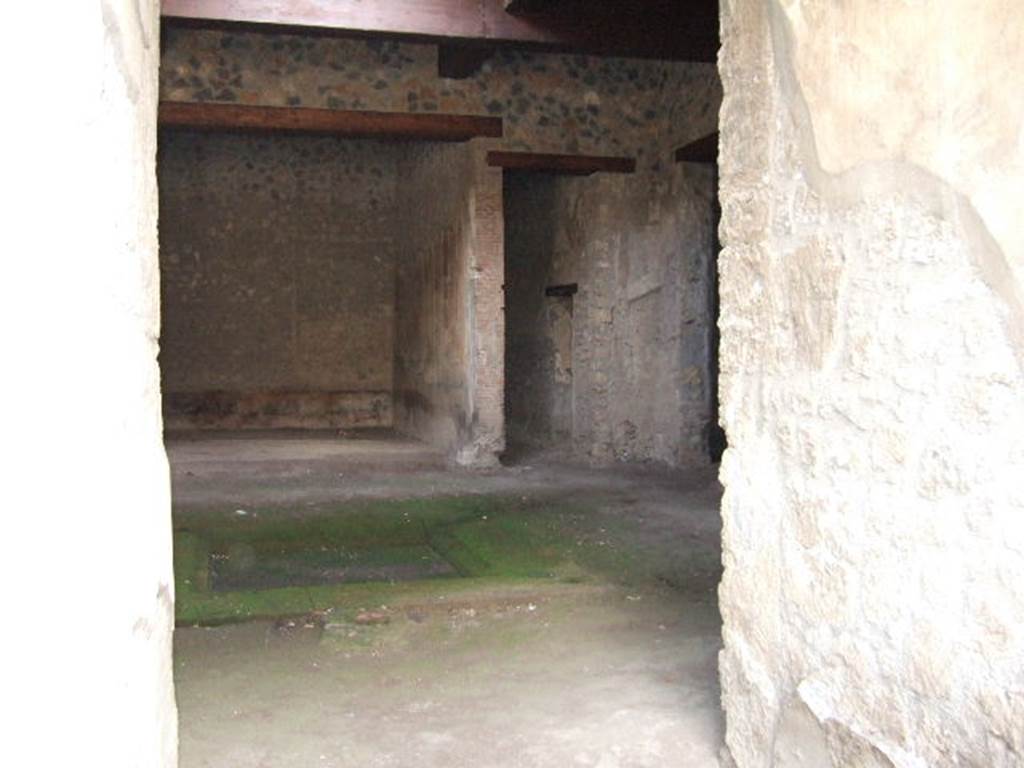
[333,579]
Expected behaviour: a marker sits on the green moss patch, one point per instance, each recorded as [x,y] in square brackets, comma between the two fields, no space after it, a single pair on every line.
[242,568]
[277,562]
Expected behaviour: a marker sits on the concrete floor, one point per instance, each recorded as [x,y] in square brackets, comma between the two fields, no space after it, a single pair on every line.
[619,671]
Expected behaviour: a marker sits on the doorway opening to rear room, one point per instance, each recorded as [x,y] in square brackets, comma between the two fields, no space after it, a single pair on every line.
[343,225]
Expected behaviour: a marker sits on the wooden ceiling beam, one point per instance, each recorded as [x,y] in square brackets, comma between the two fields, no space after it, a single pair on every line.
[430,18]
[526,6]
[569,165]
[352,124]
[703,150]
[653,29]
[457,61]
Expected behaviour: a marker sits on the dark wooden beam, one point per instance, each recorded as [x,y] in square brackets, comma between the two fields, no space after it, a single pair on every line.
[431,18]
[650,29]
[653,29]
[384,125]
[703,150]
[566,289]
[571,165]
[526,6]
[457,62]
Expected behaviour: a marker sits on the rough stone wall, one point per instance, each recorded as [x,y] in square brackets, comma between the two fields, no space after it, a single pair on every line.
[549,102]
[625,376]
[448,354]
[872,181]
[278,280]
[85,478]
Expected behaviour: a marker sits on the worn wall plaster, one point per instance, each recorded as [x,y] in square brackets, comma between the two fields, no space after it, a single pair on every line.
[86,477]
[871,383]
[450,325]
[277,258]
[635,384]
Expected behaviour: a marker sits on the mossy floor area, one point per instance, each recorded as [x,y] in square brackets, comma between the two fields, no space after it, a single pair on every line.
[236,565]
[366,611]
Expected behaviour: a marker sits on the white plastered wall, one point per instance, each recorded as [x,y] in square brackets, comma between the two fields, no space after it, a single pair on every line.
[86,553]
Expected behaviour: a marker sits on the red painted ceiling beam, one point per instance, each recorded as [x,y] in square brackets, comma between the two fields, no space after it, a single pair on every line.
[665,29]
[353,124]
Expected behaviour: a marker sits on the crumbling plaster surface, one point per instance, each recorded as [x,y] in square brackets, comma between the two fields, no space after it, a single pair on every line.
[449,378]
[871,182]
[80,318]
[636,382]
[277,257]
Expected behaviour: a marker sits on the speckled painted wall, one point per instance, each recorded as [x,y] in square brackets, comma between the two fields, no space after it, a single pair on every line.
[277,259]
[635,384]
[549,102]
